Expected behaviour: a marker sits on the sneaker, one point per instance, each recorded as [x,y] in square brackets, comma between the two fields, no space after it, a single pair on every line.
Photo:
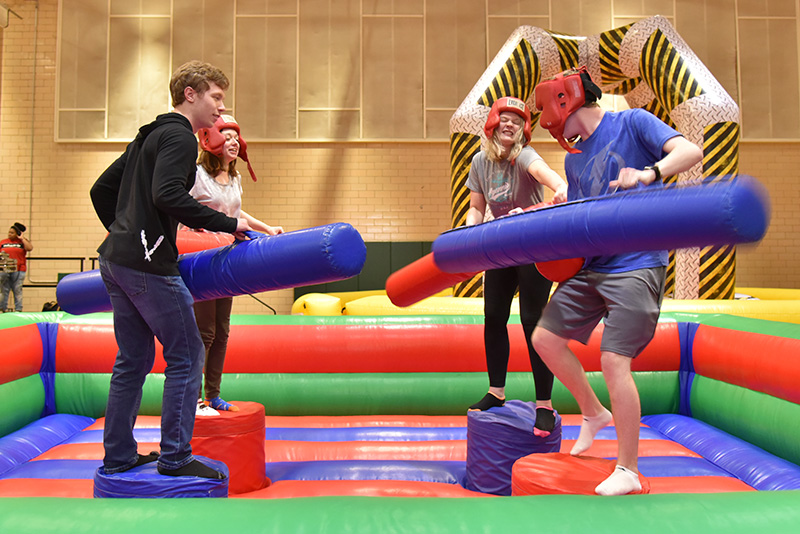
[205,410]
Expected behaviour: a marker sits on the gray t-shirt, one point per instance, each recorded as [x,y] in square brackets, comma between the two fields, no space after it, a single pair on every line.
[503,185]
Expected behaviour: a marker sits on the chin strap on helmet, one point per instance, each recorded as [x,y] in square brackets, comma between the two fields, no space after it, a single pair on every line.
[562,96]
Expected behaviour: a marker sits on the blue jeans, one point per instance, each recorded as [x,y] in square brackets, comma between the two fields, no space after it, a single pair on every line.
[147,306]
[11,282]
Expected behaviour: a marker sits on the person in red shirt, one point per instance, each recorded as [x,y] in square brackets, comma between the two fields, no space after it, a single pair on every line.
[14,266]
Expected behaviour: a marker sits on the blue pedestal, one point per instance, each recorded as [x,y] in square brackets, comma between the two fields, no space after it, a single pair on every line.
[145,482]
[497,438]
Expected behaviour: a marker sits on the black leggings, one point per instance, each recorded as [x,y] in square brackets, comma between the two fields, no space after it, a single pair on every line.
[499,286]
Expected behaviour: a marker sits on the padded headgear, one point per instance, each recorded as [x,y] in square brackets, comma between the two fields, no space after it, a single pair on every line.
[212,140]
[508,103]
[562,96]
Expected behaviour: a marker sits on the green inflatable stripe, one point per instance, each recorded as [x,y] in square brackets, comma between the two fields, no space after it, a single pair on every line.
[337,320]
[11,320]
[87,393]
[743,324]
[716,319]
[361,393]
[418,393]
[722,513]
[22,403]
[763,420]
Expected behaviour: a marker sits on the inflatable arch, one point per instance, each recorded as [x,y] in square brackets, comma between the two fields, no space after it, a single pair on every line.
[654,68]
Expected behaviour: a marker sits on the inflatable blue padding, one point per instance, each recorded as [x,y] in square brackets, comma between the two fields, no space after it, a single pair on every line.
[754,466]
[651,218]
[141,435]
[686,332]
[449,472]
[498,437]
[609,432]
[145,482]
[685,466]
[60,469]
[39,436]
[304,257]
[85,292]
[367,434]
[48,333]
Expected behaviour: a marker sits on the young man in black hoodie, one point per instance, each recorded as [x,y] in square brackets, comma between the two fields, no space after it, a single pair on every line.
[140,199]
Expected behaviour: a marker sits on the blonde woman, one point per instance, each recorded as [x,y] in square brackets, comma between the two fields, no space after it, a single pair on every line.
[509,176]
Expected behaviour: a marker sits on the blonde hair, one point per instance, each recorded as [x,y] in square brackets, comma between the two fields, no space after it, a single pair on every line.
[494,149]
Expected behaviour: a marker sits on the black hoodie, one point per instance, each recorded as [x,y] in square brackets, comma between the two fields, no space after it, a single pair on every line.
[144,194]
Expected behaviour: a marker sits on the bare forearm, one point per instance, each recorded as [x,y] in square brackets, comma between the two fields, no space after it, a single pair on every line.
[261,226]
[549,178]
[681,156]
[474,217]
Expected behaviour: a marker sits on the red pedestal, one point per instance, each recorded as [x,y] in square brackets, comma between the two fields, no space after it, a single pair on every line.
[559,473]
[237,439]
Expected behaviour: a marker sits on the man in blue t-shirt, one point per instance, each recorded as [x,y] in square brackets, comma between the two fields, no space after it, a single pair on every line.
[614,150]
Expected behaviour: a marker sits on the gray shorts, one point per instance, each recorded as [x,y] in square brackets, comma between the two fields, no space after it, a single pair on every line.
[628,303]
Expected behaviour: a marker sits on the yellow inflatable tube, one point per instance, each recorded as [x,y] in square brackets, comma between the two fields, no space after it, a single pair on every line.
[783,305]
[335,303]
[328,303]
[787,311]
[768,293]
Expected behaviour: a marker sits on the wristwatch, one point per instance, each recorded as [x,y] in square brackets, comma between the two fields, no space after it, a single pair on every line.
[655,169]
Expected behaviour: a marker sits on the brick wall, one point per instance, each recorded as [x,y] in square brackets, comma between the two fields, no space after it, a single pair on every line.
[388,191]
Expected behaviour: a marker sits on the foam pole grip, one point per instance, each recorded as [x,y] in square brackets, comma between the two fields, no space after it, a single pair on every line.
[193,241]
[725,212]
[418,280]
[311,256]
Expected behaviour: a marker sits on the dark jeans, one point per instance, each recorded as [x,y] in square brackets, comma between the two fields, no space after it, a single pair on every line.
[214,323]
[148,306]
[499,286]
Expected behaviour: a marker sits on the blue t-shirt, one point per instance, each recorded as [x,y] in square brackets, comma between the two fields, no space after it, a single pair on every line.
[632,138]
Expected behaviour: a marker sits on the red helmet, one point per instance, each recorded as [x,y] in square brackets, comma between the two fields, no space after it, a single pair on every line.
[508,103]
[212,140]
[560,97]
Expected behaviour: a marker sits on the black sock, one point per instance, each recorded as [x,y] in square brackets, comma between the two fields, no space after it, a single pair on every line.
[488,401]
[194,468]
[152,457]
[545,419]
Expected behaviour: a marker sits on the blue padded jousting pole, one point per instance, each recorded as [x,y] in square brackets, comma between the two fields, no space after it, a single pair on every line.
[311,256]
[730,211]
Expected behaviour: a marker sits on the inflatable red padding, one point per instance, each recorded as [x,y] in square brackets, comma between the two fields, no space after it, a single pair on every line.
[419,280]
[237,439]
[562,474]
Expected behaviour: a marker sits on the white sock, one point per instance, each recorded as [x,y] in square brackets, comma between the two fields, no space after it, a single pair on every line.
[589,429]
[621,482]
